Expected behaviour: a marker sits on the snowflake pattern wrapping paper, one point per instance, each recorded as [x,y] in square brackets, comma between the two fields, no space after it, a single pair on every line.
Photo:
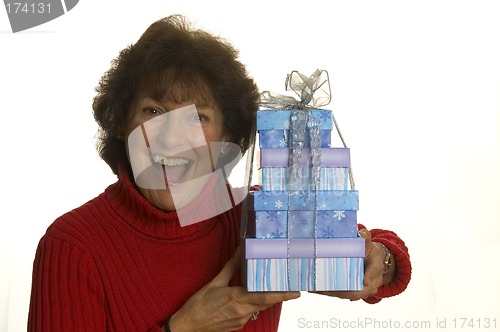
[304,200]
[329,224]
[280,119]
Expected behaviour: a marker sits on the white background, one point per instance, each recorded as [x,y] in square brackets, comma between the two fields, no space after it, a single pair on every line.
[416,90]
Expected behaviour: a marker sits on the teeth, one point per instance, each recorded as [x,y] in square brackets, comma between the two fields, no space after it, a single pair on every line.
[170,161]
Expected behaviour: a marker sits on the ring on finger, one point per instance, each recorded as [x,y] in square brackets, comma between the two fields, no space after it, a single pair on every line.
[255,315]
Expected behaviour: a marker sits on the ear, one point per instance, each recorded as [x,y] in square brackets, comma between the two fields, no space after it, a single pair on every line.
[224,148]
[229,148]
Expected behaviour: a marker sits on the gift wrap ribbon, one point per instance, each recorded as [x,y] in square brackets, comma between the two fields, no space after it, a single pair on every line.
[313,91]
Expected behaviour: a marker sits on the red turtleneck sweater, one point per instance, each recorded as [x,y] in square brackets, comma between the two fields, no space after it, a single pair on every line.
[119,264]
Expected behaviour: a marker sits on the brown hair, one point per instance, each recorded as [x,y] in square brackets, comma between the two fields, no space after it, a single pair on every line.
[173,61]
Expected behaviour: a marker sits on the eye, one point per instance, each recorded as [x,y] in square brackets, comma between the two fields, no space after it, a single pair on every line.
[152,111]
[198,118]
[202,117]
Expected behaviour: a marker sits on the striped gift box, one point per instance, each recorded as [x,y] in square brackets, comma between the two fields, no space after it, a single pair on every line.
[331,178]
[269,269]
[280,274]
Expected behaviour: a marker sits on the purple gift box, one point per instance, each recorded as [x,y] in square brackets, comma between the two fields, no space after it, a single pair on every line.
[304,248]
[263,200]
[331,178]
[300,224]
[330,157]
[280,119]
[304,265]
[281,138]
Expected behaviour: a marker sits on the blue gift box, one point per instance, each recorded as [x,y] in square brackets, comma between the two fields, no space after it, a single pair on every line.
[281,138]
[331,178]
[300,224]
[304,265]
[280,119]
[263,200]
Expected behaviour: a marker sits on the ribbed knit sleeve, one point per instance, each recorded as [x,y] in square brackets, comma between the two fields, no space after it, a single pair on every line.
[66,294]
[401,258]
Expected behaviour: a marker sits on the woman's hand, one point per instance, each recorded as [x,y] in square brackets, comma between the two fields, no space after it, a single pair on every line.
[218,307]
[374,271]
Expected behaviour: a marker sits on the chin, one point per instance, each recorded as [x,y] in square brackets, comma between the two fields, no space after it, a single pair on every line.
[159,198]
[171,196]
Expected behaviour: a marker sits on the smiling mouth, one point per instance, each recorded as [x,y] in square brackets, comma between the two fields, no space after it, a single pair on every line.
[175,169]
[170,161]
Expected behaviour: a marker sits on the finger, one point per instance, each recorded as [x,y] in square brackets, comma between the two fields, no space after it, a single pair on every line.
[371,285]
[372,275]
[374,266]
[365,233]
[348,295]
[227,272]
[267,299]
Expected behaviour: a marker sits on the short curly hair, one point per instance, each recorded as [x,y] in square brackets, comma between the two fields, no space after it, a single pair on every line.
[171,60]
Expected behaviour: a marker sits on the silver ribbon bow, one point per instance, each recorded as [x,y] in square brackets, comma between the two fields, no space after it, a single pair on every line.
[313,92]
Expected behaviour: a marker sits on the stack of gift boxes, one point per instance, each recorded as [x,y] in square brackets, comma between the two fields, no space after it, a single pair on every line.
[302,236]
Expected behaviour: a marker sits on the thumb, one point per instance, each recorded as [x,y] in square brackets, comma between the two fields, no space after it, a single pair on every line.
[225,275]
[364,233]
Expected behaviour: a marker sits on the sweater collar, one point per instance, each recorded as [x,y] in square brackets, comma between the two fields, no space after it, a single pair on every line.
[139,213]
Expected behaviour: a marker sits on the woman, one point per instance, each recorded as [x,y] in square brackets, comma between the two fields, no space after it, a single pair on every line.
[169,109]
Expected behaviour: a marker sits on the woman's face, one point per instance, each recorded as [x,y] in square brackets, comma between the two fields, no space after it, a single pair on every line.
[172,148]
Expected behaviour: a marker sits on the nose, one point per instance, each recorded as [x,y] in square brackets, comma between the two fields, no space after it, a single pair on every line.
[171,133]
